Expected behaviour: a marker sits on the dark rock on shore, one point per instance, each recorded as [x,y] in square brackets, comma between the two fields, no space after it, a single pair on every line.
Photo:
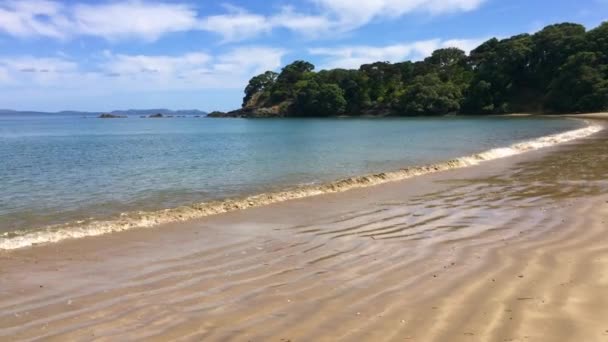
[156,116]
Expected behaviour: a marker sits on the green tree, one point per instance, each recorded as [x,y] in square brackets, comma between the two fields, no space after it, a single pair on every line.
[383,79]
[451,65]
[258,84]
[581,86]
[316,99]
[480,98]
[597,41]
[354,85]
[283,89]
[552,46]
[428,95]
[500,74]
[295,72]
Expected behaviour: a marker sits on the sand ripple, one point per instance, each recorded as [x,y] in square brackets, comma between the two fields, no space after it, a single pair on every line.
[515,254]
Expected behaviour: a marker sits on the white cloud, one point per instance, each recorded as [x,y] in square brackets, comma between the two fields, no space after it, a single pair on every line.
[44,65]
[467,45]
[4,76]
[148,20]
[354,56]
[40,71]
[239,24]
[33,18]
[110,20]
[192,70]
[249,60]
[159,66]
[131,73]
[236,26]
[335,16]
[352,14]
[308,25]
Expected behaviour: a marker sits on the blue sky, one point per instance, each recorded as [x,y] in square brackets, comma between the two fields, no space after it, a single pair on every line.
[103,55]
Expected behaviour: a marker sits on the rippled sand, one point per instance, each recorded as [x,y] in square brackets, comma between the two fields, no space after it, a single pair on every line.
[511,250]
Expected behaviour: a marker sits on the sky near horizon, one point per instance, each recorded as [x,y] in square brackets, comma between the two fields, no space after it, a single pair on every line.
[105,55]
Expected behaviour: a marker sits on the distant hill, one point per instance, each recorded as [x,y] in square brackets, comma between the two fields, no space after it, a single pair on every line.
[147,112]
[128,112]
[29,112]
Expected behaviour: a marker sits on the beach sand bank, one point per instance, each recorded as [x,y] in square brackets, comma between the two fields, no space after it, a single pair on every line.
[510,250]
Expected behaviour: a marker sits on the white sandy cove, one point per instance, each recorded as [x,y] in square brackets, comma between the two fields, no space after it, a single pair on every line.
[126,221]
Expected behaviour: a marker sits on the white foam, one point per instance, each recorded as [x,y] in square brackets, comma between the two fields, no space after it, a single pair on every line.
[546,141]
[81,229]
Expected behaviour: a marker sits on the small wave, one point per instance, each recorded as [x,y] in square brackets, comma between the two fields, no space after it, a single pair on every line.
[126,221]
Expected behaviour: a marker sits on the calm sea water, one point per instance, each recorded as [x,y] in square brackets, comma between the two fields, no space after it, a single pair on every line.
[58,169]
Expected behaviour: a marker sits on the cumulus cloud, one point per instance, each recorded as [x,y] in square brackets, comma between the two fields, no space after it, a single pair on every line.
[351,57]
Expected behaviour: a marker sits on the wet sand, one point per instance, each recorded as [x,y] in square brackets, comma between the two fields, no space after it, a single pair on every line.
[510,250]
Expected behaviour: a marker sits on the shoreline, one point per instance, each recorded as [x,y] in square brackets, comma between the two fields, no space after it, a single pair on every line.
[595,116]
[511,249]
[140,220]
[235,115]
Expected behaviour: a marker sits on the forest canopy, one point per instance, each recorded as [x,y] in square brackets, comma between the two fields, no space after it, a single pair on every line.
[561,69]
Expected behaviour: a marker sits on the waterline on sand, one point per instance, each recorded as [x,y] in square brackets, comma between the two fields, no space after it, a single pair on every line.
[132,220]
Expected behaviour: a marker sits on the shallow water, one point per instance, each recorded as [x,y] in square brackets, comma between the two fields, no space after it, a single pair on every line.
[58,169]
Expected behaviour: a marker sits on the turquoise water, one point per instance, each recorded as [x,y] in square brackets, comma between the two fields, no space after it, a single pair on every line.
[58,169]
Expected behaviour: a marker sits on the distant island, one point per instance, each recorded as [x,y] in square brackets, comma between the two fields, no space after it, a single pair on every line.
[152,116]
[111,116]
[560,69]
[115,113]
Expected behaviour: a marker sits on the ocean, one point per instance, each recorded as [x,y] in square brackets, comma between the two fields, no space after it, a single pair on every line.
[69,176]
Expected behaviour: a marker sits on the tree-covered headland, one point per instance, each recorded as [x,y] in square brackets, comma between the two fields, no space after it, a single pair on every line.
[560,69]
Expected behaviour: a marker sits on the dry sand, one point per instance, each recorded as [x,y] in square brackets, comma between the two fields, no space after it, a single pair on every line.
[511,250]
[597,116]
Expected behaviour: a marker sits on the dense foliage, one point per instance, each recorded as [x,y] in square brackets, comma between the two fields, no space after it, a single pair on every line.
[562,68]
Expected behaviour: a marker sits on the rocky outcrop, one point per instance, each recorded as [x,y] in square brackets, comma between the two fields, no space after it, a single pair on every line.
[217,114]
[277,111]
[111,116]
[156,116]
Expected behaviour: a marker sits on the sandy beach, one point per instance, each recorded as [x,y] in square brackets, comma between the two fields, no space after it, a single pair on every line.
[513,249]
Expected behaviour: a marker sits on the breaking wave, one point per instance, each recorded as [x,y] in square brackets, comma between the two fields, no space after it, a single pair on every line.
[132,220]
